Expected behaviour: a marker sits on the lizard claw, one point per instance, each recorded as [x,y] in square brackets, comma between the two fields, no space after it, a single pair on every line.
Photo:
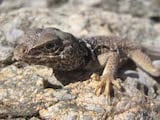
[104,84]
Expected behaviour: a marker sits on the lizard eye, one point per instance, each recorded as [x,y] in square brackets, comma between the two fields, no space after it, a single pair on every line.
[53,45]
[50,45]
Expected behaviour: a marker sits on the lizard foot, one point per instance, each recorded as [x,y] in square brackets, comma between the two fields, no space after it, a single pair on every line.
[104,84]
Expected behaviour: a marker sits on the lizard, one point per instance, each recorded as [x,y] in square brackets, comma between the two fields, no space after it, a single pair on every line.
[64,52]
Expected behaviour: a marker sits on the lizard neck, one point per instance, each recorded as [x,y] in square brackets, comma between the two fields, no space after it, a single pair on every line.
[89,48]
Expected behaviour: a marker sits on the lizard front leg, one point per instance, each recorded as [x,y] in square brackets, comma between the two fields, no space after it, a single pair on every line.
[142,60]
[108,75]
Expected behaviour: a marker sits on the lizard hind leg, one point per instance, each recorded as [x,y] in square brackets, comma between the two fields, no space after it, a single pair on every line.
[108,76]
[142,60]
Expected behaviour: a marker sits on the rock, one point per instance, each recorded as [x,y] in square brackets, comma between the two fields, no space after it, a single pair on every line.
[22,91]
[135,8]
[87,105]
[140,8]
[156,63]
[88,3]
[10,5]
[143,8]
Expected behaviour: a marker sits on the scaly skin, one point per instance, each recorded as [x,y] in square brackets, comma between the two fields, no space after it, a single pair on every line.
[53,48]
[64,52]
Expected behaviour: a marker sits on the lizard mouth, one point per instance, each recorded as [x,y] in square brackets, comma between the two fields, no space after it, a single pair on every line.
[45,52]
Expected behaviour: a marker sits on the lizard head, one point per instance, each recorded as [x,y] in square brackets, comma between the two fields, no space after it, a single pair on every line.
[38,42]
[49,45]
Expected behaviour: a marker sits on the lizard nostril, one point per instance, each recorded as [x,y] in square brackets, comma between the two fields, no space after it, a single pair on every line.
[23,50]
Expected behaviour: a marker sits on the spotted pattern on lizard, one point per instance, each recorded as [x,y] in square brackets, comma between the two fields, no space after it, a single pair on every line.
[64,52]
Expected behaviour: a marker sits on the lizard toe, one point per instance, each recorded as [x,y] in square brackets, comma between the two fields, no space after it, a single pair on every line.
[104,83]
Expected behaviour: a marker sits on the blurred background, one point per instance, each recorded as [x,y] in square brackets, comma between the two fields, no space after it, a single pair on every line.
[139,8]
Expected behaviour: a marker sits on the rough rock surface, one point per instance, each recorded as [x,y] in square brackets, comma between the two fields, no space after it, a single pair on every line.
[145,8]
[23,93]
[30,91]
[141,8]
